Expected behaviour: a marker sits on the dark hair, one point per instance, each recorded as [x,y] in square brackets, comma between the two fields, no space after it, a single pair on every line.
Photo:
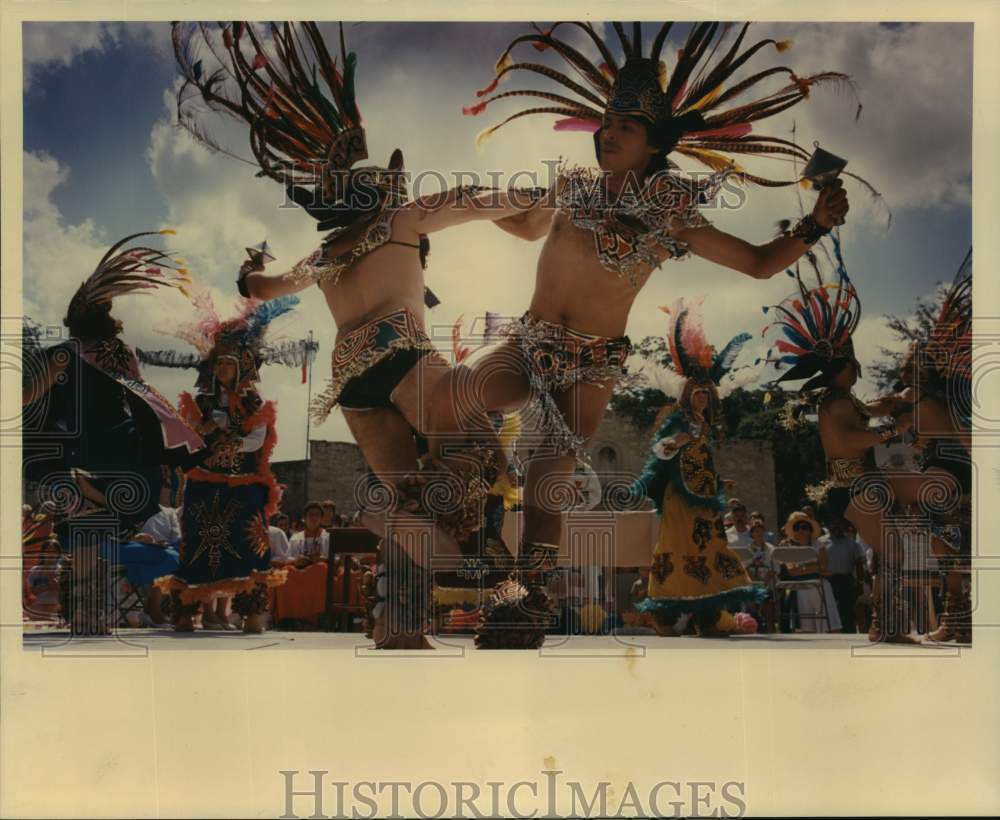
[738,507]
[92,322]
[312,505]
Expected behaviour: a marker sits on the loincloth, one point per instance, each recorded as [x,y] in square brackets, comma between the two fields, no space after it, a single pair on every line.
[357,355]
[558,358]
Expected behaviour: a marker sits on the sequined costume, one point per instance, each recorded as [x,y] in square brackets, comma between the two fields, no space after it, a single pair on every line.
[369,361]
[229,498]
[693,569]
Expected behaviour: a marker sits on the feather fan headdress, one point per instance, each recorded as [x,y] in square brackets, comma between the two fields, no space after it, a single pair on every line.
[130,271]
[693,360]
[300,106]
[241,338]
[950,341]
[815,324]
[689,109]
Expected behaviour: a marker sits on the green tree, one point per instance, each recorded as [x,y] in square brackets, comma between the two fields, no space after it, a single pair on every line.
[913,328]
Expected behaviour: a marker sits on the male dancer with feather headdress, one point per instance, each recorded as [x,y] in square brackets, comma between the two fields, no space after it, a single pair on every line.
[115,430]
[817,325]
[607,231]
[306,133]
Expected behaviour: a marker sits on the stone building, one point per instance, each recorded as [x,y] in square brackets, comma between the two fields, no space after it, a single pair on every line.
[617,451]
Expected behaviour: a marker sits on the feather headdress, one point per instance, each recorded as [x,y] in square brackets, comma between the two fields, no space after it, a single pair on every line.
[301,109]
[690,109]
[950,341]
[130,271]
[693,359]
[242,338]
[813,327]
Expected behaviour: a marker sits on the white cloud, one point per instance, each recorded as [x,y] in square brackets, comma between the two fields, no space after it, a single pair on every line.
[913,88]
[47,45]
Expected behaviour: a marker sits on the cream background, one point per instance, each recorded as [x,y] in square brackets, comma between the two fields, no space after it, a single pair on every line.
[189,734]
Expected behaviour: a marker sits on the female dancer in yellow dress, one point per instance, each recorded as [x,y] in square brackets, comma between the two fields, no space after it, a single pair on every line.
[693,570]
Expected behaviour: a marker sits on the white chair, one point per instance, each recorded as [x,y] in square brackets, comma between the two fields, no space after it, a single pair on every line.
[801,555]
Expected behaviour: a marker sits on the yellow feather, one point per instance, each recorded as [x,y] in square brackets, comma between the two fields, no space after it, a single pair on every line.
[712,159]
[783,45]
[169,231]
[709,97]
[663,77]
[503,63]
[482,136]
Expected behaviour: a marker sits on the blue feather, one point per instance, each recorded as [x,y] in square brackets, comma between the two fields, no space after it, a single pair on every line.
[724,361]
[796,337]
[267,312]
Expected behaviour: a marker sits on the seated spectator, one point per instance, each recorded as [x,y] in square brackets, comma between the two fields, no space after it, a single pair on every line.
[769,536]
[761,570]
[313,542]
[152,553]
[329,509]
[301,601]
[845,561]
[278,541]
[283,523]
[42,586]
[802,531]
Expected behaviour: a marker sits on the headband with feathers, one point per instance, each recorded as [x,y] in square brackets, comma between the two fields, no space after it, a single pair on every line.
[693,359]
[950,340]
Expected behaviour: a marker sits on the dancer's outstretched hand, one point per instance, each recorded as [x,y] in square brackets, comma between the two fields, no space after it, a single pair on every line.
[831,207]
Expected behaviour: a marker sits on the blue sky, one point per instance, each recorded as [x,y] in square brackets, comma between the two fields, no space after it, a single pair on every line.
[103,159]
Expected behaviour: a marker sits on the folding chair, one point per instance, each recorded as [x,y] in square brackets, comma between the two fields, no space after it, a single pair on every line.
[801,555]
[126,597]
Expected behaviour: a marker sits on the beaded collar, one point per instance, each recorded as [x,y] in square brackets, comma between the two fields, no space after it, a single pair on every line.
[630,232]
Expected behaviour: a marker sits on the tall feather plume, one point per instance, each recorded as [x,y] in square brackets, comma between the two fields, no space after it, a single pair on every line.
[287,89]
[697,83]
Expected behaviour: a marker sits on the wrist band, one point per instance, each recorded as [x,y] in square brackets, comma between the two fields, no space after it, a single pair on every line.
[808,230]
[887,431]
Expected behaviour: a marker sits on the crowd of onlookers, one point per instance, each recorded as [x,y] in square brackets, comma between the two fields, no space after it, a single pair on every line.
[829,553]
[301,544]
[805,549]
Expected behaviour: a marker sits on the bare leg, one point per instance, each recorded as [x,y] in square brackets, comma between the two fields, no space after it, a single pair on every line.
[440,402]
[909,488]
[888,608]
[548,482]
[386,440]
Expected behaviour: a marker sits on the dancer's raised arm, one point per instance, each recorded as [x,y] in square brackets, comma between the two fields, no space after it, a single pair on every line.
[764,261]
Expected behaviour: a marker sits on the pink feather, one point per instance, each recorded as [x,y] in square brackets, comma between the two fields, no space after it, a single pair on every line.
[574,124]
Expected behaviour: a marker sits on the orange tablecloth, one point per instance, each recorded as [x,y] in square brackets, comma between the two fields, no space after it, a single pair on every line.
[303,595]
